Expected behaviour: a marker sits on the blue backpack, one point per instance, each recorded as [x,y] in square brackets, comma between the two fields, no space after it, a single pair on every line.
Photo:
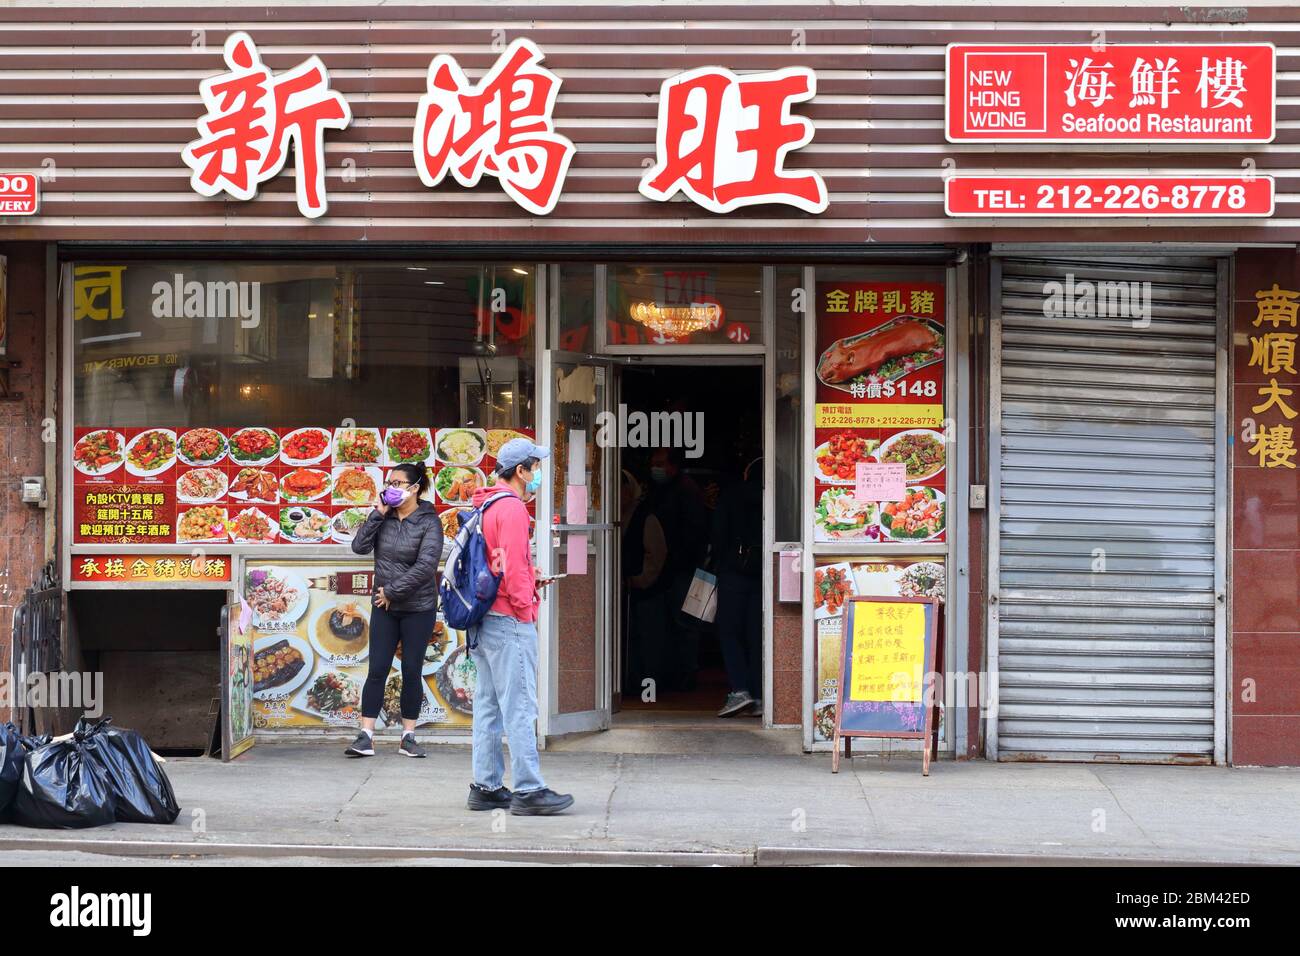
[469,585]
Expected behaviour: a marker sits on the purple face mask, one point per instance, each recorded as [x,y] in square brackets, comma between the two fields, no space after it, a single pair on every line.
[393,497]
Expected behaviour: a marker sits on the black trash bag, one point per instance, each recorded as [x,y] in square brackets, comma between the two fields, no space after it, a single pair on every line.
[63,787]
[14,748]
[142,793]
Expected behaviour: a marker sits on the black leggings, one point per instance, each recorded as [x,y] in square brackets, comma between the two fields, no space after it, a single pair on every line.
[413,629]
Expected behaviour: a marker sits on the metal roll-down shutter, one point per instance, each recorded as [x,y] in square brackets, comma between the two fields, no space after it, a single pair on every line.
[1105,588]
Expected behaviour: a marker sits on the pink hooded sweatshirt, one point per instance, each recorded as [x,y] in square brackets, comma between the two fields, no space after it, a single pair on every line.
[505,529]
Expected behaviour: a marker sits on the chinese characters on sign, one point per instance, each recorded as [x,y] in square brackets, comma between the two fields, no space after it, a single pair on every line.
[1220,93]
[708,149]
[722,139]
[501,126]
[150,569]
[1272,351]
[252,117]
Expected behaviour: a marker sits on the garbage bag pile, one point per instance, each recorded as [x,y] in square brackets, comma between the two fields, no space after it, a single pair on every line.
[96,775]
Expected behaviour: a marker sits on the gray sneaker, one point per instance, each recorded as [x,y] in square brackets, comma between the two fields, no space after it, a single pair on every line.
[736,702]
[363,746]
[756,708]
[409,747]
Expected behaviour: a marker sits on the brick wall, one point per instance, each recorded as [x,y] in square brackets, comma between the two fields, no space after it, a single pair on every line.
[21,450]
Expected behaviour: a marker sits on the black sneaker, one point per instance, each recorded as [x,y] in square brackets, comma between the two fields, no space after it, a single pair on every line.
[409,748]
[539,803]
[484,799]
[363,746]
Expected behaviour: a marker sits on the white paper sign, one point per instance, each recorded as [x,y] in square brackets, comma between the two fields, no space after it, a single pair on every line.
[880,482]
[577,456]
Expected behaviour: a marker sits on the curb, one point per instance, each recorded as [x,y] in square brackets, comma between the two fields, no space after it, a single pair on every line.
[765,856]
[158,848]
[827,856]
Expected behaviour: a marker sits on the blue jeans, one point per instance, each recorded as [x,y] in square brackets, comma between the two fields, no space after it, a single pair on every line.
[505,699]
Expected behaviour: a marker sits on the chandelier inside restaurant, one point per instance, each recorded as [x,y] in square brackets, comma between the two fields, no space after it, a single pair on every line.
[677,320]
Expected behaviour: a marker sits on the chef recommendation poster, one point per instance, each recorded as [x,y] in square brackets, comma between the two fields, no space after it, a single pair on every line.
[880,401]
[311,643]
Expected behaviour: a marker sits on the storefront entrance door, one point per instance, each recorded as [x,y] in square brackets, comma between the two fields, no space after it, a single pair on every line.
[576,538]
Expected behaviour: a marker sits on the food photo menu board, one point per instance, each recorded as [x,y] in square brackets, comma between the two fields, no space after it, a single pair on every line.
[258,485]
[880,454]
[311,640]
[834,582]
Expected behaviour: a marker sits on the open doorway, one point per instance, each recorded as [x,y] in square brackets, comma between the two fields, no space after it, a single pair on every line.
[682,507]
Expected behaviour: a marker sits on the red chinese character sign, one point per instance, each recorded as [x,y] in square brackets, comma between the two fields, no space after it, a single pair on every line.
[501,126]
[253,114]
[722,139]
[1220,93]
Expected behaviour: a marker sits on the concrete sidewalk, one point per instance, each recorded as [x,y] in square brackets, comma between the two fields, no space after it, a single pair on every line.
[306,801]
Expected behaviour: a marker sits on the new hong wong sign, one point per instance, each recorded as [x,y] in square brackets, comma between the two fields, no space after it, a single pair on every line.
[1204,93]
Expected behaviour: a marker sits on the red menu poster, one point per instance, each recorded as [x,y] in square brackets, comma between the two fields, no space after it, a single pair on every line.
[880,402]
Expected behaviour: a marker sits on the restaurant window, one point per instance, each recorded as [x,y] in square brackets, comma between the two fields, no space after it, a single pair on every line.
[227,388]
[676,305]
[186,344]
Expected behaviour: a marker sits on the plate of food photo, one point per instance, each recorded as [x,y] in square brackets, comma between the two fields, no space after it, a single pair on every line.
[276,597]
[340,631]
[358,446]
[203,523]
[885,354]
[201,446]
[303,525]
[406,446]
[151,452]
[456,485]
[254,446]
[255,484]
[252,526]
[921,450]
[200,486]
[306,446]
[356,485]
[305,484]
[460,446]
[99,452]
[837,458]
[281,664]
[918,517]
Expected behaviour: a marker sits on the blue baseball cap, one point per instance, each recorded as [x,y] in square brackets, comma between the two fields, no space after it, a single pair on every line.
[517,451]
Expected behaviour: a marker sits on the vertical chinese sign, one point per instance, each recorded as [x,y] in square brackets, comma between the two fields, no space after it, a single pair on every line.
[1265,507]
[880,454]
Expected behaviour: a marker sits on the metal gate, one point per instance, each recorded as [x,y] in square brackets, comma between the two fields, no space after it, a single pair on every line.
[1107,493]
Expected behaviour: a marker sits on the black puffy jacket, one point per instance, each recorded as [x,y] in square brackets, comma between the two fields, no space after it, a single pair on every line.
[407,551]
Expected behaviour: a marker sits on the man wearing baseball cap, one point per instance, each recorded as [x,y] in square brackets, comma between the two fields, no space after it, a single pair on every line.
[505,647]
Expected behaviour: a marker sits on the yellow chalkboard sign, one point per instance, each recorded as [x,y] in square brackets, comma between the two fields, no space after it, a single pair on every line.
[889,651]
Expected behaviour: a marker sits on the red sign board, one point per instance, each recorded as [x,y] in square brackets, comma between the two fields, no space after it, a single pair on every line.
[1050,93]
[150,568]
[1039,194]
[19,194]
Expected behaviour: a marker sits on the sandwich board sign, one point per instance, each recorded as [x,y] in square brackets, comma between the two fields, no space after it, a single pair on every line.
[889,651]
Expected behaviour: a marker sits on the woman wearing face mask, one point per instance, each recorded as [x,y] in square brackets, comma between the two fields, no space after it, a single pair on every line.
[405,534]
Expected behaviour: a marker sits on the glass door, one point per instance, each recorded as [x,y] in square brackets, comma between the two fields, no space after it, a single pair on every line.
[576,538]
